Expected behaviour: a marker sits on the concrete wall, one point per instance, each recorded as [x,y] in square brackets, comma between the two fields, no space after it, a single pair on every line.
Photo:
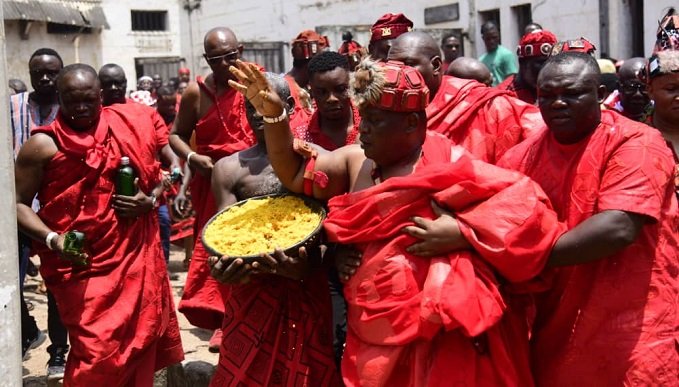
[121,45]
[19,51]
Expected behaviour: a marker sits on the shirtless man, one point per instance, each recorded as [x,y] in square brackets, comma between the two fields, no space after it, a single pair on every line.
[300,311]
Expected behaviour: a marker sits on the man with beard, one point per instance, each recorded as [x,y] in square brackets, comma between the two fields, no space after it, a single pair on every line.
[28,111]
[114,294]
[215,113]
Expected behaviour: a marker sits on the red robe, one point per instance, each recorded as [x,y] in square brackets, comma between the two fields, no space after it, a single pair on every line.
[222,131]
[300,115]
[312,132]
[445,320]
[516,91]
[278,332]
[118,310]
[485,121]
[612,322]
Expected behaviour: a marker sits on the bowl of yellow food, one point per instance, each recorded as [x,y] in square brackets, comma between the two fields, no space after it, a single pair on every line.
[261,224]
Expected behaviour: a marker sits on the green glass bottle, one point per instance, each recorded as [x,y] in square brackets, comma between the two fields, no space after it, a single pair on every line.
[74,242]
[125,178]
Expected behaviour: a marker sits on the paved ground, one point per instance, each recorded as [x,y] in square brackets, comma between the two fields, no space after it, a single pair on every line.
[194,339]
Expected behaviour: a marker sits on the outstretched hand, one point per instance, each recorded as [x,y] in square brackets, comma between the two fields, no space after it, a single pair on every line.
[256,89]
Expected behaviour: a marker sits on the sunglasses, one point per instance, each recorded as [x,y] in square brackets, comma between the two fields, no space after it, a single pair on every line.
[229,56]
[632,88]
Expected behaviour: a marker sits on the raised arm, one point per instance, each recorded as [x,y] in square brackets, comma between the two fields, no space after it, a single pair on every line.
[288,164]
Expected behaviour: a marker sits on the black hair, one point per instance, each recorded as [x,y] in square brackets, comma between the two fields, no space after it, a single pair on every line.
[111,66]
[610,81]
[489,25]
[448,36]
[17,85]
[347,36]
[165,90]
[46,51]
[327,61]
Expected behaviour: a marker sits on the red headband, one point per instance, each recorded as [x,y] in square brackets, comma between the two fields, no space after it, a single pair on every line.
[390,26]
[308,43]
[536,43]
[576,45]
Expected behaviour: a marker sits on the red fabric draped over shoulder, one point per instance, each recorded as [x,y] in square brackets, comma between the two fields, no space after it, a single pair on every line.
[223,131]
[118,310]
[485,121]
[409,317]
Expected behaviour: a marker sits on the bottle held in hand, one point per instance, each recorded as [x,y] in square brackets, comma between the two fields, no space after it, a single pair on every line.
[125,178]
[74,242]
[176,175]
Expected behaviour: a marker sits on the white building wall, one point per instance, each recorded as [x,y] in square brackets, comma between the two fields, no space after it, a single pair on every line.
[258,20]
[19,51]
[121,45]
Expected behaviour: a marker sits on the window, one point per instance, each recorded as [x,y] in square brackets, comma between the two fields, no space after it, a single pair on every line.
[490,15]
[636,9]
[523,16]
[149,20]
[55,28]
[268,54]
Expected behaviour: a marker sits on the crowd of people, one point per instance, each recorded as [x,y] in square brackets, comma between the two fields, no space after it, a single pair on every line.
[506,221]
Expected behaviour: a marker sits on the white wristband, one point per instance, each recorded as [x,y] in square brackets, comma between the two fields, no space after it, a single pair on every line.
[273,120]
[48,239]
[188,158]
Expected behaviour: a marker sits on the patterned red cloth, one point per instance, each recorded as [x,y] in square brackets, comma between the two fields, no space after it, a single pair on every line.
[612,322]
[312,132]
[222,131]
[516,91]
[485,121]
[444,320]
[291,320]
[118,310]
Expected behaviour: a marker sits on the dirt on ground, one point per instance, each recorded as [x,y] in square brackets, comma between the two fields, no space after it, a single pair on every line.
[195,340]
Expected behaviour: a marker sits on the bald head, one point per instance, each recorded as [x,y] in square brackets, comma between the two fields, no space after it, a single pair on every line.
[113,84]
[470,68]
[419,49]
[79,96]
[630,68]
[218,35]
[571,63]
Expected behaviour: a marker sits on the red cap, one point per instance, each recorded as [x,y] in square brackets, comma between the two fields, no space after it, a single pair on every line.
[308,43]
[536,43]
[390,26]
[184,70]
[400,88]
[576,45]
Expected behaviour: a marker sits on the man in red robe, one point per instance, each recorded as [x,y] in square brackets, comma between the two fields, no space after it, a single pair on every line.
[486,122]
[610,315]
[411,318]
[285,318]
[216,114]
[533,50]
[335,121]
[117,306]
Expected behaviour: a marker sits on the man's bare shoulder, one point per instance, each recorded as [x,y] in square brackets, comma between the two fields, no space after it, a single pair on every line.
[40,148]
[228,165]
[351,153]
